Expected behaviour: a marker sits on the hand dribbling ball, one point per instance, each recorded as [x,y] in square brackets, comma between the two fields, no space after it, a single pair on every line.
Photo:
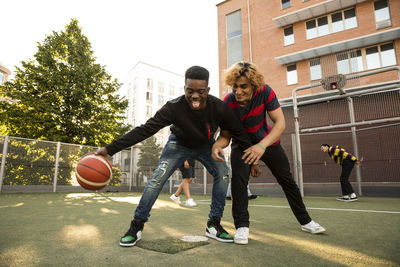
[93,172]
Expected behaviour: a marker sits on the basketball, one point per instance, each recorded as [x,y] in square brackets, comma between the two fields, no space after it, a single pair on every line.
[93,172]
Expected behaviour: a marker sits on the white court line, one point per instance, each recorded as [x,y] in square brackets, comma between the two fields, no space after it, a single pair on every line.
[287,207]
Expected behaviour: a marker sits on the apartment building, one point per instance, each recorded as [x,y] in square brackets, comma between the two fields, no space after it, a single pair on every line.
[4,73]
[299,44]
[149,88]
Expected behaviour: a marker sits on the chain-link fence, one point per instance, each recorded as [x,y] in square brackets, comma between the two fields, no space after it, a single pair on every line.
[365,120]
[29,165]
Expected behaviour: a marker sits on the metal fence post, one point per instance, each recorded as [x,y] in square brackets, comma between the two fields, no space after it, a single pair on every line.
[56,167]
[295,169]
[3,161]
[354,140]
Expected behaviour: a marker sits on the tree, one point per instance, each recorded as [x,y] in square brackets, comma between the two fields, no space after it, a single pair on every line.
[63,95]
[149,155]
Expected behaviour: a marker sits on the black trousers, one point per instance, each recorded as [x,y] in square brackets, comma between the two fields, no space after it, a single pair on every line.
[347,167]
[277,161]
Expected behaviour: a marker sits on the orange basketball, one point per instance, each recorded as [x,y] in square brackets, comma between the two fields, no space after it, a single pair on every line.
[93,172]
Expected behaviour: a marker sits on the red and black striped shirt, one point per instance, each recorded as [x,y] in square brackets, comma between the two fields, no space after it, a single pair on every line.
[253,116]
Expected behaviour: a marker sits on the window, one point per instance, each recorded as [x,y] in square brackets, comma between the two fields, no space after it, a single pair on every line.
[350,19]
[285,4]
[366,58]
[289,36]
[323,27]
[342,61]
[356,61]
[315,69]
[311,26]
[291,74]
[160,100]
[161,87]
[171,90]
[149,84]
[380,56]
[234,37]
[349,62]
[381,10]
[149,96]
[388,55]
[336,22]
[382,14]
[372,57]
[1,77]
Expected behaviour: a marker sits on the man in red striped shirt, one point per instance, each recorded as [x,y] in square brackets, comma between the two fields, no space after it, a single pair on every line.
[252,101]
[347,161]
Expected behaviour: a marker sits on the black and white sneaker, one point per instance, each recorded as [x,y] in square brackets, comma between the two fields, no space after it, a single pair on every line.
[347,198]
[133,235]
[216,231]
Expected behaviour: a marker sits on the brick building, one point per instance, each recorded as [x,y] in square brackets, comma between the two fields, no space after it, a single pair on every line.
[291,40]
[297,43]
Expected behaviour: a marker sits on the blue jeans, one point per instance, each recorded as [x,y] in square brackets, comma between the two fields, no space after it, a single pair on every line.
[173,155]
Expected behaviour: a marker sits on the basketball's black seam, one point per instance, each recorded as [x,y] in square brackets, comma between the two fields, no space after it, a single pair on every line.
[93,169]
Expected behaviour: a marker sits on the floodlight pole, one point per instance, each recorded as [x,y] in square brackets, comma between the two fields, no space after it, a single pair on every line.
[3,160]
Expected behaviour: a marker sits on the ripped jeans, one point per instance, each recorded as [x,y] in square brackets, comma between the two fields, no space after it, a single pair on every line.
[172,156]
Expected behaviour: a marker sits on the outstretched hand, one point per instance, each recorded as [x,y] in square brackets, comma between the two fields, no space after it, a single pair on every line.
[253,154]
[358,162]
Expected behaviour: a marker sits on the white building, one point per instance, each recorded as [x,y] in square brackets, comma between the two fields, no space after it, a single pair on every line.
[148,89]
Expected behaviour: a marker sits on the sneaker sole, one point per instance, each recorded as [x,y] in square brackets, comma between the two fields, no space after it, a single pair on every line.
[127,245]
[347,200]
[241,242]
[311,232]
[219,239]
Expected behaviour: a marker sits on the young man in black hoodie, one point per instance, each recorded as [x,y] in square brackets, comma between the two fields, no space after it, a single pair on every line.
[194,118]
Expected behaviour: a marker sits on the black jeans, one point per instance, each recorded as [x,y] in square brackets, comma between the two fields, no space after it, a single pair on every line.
[277,161]
[347,167]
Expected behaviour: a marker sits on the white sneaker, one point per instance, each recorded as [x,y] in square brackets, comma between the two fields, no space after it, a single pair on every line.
[190,203]
[176,199]
[313,227]
[242,236]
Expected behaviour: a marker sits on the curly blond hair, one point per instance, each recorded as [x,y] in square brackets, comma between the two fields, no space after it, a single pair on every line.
[246,69]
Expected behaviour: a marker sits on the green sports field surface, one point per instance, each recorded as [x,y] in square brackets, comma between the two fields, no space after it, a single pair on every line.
[58,229]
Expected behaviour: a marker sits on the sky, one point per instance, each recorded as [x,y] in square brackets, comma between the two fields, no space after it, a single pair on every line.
[170,34]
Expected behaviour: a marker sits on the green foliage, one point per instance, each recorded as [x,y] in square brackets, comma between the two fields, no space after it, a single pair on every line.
[116,176]
[33,163]
[149,155]
[63,95]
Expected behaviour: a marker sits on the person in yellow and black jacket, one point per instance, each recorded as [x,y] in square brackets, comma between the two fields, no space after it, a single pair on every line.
[347,161]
